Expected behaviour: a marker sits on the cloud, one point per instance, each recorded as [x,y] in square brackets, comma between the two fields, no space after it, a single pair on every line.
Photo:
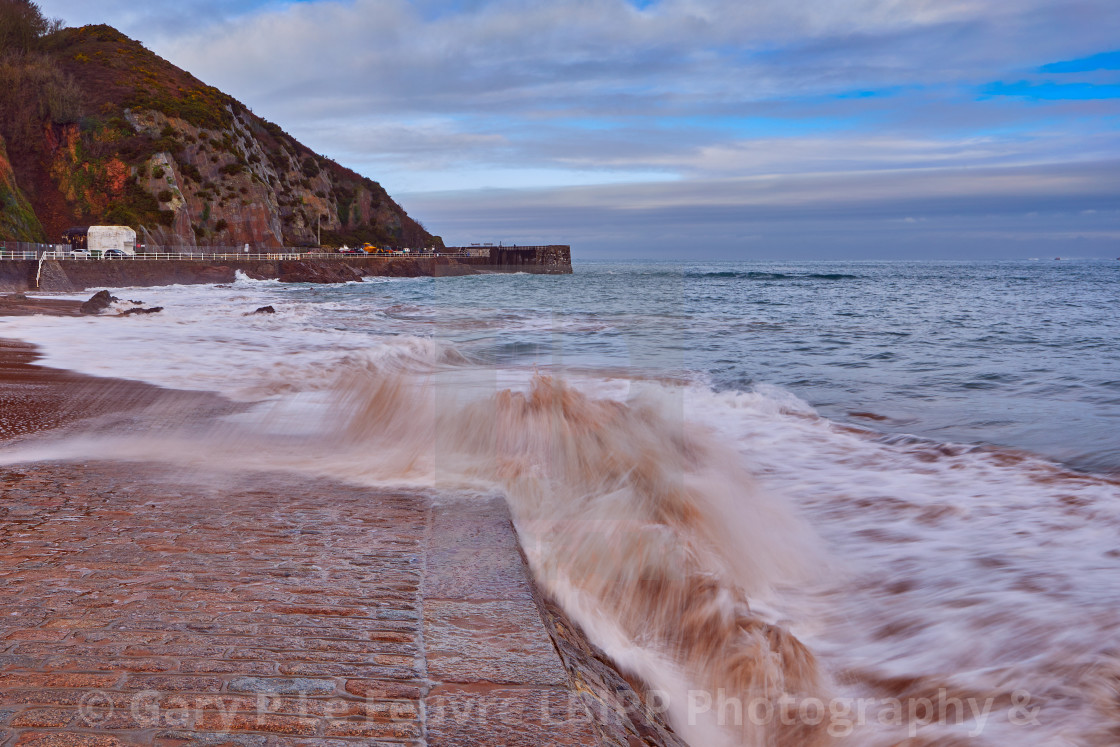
[698,113]
[963,212]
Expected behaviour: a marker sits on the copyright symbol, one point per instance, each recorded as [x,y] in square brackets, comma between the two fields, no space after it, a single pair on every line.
[95,708]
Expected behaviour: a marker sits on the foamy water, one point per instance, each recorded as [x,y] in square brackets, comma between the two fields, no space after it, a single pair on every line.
[776,576]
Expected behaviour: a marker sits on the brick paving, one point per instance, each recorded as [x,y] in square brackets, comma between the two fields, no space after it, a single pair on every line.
[144,607]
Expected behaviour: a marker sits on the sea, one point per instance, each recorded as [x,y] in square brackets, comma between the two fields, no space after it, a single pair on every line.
[804,502]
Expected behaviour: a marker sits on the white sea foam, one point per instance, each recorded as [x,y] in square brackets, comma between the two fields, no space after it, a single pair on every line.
[706,540]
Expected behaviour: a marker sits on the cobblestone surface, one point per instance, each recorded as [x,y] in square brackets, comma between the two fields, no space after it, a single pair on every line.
[139,607]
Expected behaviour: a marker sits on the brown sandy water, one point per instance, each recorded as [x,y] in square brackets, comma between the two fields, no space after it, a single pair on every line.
[705,585]
[208,587]
[749,555]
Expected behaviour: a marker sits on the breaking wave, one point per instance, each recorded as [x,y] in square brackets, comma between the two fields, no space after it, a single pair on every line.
[774,275]
[750,548]
[644,527]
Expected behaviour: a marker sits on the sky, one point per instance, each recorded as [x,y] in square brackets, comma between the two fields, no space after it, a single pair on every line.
[707,129]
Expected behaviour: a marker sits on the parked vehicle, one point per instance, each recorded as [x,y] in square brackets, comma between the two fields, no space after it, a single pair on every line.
[79,254]
[115,254]
[98,240]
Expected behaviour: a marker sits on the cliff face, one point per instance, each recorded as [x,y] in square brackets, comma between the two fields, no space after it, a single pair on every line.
[140,142]
[17,218]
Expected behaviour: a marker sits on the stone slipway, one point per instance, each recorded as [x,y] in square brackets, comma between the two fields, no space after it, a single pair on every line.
[145,607]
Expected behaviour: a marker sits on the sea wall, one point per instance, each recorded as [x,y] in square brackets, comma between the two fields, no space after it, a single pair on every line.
[555,259]
[69,275]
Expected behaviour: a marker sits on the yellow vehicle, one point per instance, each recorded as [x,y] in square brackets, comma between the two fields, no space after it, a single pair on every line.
[371,249]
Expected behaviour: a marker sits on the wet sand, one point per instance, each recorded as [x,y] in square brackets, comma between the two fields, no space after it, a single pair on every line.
[19,304]
[36,398]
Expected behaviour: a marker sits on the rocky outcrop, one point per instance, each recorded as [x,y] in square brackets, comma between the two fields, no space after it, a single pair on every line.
[180,161]
[315,272]
[98,302]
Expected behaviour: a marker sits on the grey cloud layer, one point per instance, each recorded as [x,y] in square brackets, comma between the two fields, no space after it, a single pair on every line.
[512,54]
[710,98]
[963,213]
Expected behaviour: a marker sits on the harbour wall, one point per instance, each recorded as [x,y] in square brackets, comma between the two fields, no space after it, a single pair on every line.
[71,275]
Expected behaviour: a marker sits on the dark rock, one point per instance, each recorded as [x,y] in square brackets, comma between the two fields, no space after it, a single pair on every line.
[217,274]
[98,302]
[153,310]
[265,310]
[311,271]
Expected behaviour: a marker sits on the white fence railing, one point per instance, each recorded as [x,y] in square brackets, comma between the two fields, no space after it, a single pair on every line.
[214,256]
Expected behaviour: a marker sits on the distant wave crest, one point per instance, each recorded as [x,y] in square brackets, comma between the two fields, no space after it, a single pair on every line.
[754,275]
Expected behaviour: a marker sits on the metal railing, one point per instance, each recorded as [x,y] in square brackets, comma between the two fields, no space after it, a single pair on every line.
[66,253]
[26,250]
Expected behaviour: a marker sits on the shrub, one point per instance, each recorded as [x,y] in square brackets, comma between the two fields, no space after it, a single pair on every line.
[158,172]
[310,167]
[63,101]
[120,215]
[190,171]
[221,225]
[23,25]
[165,195]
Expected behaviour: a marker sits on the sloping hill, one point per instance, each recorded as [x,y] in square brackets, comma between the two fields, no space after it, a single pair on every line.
[101,130]
[17,218]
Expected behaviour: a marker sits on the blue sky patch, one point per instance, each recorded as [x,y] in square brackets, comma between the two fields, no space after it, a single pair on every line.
[1101,61]
[1050,91]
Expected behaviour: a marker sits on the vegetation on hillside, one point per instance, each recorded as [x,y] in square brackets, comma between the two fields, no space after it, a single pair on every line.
[101,130]
[23,26]
[17,218]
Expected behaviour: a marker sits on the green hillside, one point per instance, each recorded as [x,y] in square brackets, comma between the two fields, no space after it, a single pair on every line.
[101,130]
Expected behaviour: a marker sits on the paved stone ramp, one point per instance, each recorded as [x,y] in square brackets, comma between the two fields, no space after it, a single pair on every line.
[139,607]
